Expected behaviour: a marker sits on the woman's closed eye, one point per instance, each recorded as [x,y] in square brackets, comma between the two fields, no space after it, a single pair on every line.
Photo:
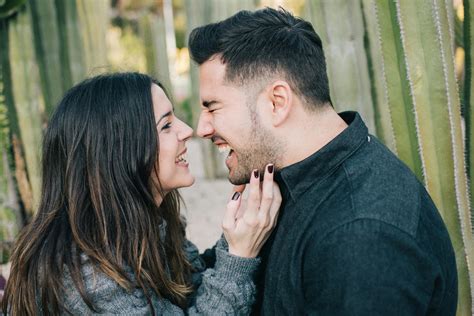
[166,126]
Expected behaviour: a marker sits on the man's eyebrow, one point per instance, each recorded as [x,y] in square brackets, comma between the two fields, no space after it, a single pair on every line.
[207,104]
[163,116]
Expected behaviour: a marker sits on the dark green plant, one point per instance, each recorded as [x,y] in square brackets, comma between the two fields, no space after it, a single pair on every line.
[9,7]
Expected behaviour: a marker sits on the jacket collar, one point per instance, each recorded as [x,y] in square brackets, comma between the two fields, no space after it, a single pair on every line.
[298,177]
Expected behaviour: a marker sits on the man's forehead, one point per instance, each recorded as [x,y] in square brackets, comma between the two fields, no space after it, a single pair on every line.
[212,71]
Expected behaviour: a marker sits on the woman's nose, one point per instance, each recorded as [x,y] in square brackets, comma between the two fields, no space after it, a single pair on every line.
[186,131]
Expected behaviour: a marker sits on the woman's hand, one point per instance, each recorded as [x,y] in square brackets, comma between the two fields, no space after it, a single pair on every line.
[248,225]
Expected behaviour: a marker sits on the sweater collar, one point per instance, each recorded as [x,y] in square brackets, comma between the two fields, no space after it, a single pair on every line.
[298,177]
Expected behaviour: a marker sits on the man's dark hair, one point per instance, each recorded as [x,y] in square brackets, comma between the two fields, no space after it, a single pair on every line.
[256,45]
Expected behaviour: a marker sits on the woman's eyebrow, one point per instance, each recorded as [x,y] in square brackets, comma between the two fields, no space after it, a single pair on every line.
[163,116]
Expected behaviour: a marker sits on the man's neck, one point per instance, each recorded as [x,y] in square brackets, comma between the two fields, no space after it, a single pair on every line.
[309,133]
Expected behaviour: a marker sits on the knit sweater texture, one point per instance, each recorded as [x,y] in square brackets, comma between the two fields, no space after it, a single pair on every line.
[226,289]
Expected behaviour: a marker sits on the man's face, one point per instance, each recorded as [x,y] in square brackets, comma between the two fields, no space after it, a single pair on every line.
[230,117]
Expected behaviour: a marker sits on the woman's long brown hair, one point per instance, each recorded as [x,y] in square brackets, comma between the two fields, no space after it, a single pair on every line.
[100,151]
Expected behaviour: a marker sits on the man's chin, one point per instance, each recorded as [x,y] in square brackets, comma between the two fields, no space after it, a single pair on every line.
[238,179]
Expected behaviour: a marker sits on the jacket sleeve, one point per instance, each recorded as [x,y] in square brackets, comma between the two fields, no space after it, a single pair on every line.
[368,267]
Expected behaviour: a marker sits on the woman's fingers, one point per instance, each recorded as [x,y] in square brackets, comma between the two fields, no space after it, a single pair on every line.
[239,188]
[276,203]
[267,197]
[228,223]
[253,201]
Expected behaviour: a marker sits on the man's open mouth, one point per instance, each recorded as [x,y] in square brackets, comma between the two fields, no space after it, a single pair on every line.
[225,149]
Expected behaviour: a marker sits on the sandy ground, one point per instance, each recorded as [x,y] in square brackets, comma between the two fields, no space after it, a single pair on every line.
[205,202]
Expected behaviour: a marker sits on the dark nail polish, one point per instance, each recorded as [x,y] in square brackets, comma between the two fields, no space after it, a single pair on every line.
[255,173]
[236,196]
[270,168]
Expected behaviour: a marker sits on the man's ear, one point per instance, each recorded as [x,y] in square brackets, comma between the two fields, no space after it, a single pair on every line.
[281,96]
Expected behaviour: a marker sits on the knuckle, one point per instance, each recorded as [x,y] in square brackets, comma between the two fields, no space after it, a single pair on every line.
[264,219]
[225,226]
[255,195]
[253,223]
[267,197]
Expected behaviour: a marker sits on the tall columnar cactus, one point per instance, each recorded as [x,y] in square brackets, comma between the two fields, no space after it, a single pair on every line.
[72,48]
[411,49]
[395,118]
[44,52]
[81,25]
[11,139]
[339,23]
[10,216]
[93,18]
[10,7]
[69,38]
[47,47]
[152,29]
[27,100]
[469,95]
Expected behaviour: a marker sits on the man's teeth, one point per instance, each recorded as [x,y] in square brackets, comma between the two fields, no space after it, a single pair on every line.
[181,158]
[224,149]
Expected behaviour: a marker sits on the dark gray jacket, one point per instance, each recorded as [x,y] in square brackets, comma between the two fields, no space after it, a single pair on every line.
[357,235]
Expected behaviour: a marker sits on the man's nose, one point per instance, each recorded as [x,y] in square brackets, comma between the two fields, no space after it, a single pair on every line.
[204,128]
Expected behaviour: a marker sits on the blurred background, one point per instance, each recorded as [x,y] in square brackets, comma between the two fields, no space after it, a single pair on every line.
[405,65]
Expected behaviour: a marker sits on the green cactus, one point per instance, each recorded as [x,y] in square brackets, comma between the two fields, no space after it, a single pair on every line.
[426,37]
[469,95]
[343,43]
[9,7]
[72,48]
[27,98]
[411,47]
[10,217]
[93,20]
[47,47]
[152,29]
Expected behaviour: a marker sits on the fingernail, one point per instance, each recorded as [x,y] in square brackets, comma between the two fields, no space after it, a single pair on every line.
[236,196]
[255,174]
[270,168]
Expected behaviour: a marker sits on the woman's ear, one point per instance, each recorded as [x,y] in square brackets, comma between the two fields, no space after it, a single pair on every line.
[281,96]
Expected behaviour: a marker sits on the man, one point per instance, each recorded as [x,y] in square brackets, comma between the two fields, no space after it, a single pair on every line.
[357,233]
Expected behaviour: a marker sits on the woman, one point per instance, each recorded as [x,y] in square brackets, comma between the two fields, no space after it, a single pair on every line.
[107,237]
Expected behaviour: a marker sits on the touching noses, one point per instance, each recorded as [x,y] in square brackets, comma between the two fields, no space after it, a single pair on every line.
[204,127]
[185,132]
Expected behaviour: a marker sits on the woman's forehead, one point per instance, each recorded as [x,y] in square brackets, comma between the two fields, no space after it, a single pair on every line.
[161,103]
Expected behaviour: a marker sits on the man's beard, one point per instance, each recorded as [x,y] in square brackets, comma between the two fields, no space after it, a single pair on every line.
[263,149]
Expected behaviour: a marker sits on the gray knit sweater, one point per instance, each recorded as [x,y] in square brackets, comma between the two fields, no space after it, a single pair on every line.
[227,289]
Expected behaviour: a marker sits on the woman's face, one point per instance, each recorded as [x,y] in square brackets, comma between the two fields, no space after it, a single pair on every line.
[172,133]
